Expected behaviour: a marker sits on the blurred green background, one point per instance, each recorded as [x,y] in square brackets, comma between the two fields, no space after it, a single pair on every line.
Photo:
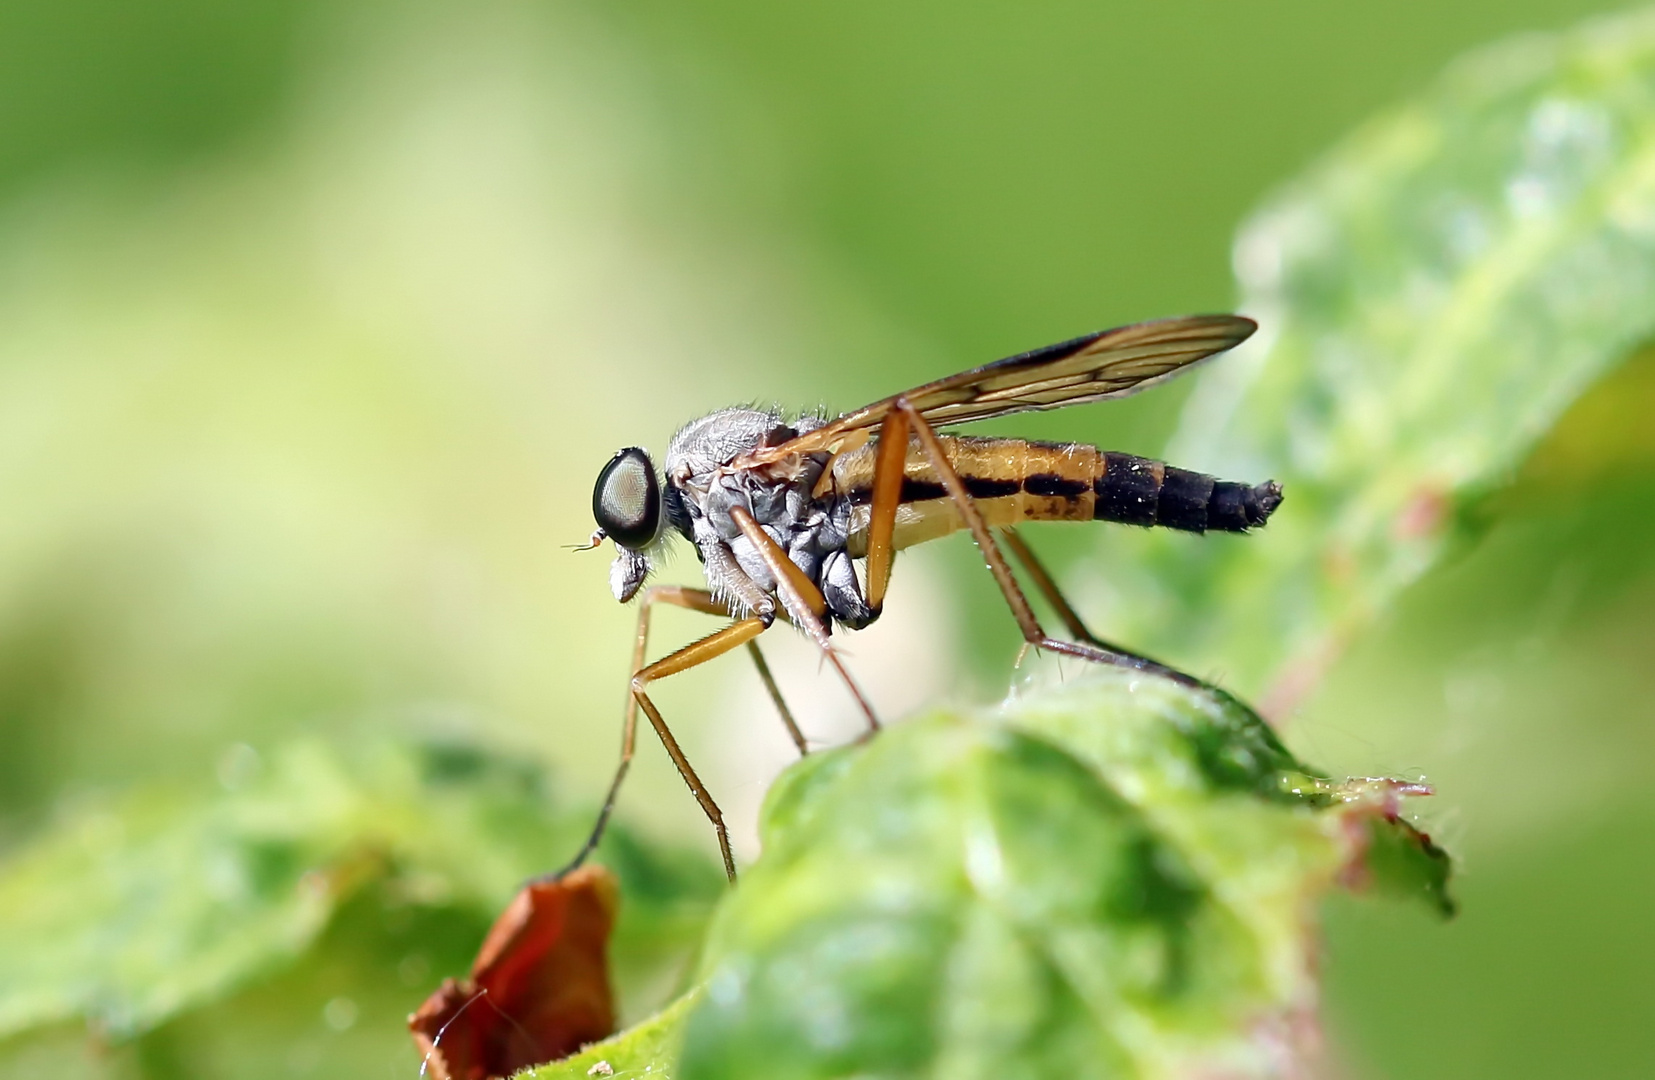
[317,320]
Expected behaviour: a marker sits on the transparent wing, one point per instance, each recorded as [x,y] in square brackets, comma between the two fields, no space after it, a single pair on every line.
[1096,367]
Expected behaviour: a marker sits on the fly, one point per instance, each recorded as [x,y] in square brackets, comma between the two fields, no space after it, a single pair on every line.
[780,510]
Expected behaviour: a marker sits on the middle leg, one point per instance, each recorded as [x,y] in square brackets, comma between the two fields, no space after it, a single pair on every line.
[693,600]
[775,693]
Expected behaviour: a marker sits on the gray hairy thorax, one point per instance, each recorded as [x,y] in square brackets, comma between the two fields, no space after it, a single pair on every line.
[700,495]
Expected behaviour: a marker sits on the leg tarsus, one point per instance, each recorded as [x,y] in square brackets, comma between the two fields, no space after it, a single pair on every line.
[1131,661]
[702,795]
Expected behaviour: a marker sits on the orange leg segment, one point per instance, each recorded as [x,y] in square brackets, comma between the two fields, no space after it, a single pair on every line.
[890,464]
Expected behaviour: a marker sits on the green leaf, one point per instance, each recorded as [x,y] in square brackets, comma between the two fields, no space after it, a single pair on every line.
[647,1049]
[132,915]
[1432,296]
[1112,877]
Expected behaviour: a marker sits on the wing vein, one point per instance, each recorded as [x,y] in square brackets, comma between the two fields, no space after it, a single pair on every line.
[1097,367]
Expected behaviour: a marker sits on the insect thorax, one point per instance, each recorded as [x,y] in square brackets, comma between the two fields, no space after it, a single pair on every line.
[704,491]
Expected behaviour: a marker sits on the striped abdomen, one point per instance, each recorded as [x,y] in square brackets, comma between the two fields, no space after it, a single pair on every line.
[1015,480]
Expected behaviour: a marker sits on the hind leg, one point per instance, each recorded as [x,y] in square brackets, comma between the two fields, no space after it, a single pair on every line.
[1033,633]
[1048,588]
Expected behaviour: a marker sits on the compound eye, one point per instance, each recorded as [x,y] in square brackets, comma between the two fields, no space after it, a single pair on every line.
[627,499]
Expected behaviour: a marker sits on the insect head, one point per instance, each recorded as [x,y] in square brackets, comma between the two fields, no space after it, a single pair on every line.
[627,505]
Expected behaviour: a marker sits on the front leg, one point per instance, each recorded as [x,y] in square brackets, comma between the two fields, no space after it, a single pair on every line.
[694,600]
[715,644]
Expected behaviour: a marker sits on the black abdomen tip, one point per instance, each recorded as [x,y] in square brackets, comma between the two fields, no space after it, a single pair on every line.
[1137,491]
[1239,507]
[1265,498]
